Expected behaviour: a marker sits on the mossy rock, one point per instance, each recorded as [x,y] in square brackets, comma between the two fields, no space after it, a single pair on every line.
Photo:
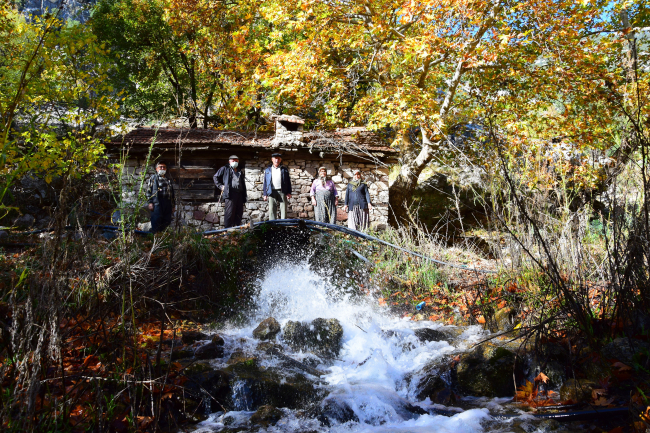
[267,329]
[323,336]
[577,390]
[239,356]
[487,371]
[254,387]
[266,415]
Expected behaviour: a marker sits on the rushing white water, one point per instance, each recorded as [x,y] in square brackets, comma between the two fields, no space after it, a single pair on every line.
[371,372]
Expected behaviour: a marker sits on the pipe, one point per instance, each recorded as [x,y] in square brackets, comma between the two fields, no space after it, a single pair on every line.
[355,233]
[584,414]
[293,222]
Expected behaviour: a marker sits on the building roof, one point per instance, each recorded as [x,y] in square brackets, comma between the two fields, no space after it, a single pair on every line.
[348,140]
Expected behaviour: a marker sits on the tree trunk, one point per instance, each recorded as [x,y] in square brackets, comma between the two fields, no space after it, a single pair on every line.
[400,190]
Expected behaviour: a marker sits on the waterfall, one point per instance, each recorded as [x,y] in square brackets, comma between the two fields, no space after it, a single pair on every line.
[368,383]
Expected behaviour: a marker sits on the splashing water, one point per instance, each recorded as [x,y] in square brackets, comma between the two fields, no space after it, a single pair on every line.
[370,376]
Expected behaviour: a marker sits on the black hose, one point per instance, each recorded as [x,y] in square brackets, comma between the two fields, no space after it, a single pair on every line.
[290,222]
[308,223]
[584,414]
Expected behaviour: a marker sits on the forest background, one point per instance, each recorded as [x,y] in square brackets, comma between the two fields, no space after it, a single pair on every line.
[545,101]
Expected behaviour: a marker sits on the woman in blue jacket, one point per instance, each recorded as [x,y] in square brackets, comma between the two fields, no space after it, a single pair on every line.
[357,203]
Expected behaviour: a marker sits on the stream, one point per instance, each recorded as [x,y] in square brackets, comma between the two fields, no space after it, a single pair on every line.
[371,384]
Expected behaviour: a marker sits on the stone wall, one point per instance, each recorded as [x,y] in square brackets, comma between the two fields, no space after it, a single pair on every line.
[210,215]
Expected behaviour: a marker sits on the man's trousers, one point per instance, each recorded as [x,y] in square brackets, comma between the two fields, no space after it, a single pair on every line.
[277,199]
[233,210]
[161,216]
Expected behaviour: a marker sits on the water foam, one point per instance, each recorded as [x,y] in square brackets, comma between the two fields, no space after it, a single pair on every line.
[370,374]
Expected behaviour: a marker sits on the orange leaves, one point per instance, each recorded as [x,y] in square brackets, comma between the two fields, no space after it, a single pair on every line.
[526,391]
[529,394]
[599,396]
[541,377]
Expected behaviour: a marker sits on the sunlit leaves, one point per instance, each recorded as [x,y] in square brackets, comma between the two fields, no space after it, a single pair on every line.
[54,98]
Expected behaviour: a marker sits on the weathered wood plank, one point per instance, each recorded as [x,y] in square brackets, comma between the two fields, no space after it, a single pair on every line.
[197,194]
[192,172]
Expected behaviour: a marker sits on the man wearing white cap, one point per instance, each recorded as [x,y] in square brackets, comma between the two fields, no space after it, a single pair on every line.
[230,180]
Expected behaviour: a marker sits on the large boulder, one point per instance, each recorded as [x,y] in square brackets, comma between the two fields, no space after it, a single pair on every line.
[487,371]
[437,384]
[209,351]
[253,386]
[207,389]
[267,329]
[322,336]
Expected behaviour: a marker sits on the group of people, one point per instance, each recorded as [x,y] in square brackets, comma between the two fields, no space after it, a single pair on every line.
[276,189]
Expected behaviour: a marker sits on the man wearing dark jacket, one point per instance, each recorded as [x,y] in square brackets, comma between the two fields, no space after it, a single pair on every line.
[277,187]
[230,180]
[160,195]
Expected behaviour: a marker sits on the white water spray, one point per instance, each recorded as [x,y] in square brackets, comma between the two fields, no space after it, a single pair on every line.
[370,376]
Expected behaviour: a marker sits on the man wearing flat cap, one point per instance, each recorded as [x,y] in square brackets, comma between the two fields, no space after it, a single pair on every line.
[230,180]
[277,187]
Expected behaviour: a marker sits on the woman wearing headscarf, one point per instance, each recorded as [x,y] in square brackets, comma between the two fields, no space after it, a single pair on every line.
[357,203]
[324,197]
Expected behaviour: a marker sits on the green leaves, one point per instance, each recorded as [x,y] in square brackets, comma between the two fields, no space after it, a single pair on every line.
[55,94]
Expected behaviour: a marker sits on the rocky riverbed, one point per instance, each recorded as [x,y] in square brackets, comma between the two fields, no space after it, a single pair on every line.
[310,357]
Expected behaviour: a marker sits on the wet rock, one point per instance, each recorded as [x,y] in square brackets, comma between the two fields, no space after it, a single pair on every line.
[209,351]
[425,335]
[436,381]
[577,390]
[266,415]
[218,340]
[239,356]
[267,329]
[253,386]
[3,235]
[207,389]
[24,221]
[181,353]
[267,346]
[323,336]
[190,337]
[487,371]
[338,411]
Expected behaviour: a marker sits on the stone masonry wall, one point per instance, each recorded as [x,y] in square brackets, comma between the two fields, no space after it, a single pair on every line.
[206,216]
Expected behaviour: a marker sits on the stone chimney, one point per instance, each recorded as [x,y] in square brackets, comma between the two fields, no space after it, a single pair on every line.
[288,131]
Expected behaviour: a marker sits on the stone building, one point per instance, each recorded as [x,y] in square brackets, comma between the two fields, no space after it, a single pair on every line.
[194,155]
